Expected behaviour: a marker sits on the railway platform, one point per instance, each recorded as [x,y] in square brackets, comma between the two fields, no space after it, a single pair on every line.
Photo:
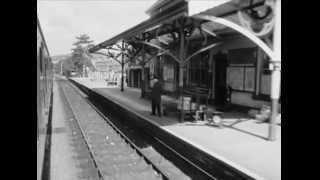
[85,146]
[241,144]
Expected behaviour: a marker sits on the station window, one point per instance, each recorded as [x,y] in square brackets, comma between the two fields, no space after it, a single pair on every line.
[199,71]
[241,70]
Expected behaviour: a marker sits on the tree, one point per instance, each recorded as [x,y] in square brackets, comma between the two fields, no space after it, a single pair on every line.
[79,53]
[67,66]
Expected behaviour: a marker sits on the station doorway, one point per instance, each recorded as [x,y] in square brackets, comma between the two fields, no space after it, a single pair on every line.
[220,80]
[135,78]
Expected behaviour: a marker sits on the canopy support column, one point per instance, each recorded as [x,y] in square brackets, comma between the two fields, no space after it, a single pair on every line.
[181,66]
[276,71]
[122,65]
[143,78]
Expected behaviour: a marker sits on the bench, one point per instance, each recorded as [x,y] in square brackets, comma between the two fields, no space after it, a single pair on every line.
[200,95]
[170,106]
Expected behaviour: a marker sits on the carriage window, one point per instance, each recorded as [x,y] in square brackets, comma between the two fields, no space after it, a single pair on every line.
[41,58]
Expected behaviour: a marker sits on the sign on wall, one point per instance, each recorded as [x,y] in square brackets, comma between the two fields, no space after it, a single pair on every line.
[249,79]
[168,77]
[265,84]
[169,86]
[151,65]
[168,72]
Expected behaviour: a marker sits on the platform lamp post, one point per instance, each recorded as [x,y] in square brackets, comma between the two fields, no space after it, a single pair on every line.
[276,71]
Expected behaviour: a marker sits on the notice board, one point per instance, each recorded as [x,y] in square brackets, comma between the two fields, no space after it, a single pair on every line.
[249,79]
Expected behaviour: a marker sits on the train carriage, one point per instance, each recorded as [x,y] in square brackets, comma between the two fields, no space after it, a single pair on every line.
[44,92]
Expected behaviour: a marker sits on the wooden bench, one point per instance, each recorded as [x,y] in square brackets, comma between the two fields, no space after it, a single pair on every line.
[200,95]
[171,107]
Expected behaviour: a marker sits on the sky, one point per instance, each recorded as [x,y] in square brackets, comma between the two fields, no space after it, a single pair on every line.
[61,21]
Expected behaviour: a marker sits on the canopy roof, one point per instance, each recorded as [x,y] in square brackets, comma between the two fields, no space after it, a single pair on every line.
[164,12]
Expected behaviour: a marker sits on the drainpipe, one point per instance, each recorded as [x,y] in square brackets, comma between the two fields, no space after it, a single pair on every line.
[276,71]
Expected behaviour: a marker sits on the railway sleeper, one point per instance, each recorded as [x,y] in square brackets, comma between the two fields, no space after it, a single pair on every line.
[114,155]
[146,175]
[134,176]
[120,169]
[88,174]
[127,158]
[113,148]
[98,126]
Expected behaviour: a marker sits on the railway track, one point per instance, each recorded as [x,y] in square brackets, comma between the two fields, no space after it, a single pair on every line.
[114,155]
[117,156]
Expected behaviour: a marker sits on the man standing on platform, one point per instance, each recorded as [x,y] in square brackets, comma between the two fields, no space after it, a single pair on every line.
[156,97]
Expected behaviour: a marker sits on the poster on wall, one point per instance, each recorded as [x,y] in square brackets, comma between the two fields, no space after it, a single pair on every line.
[265,84]
[235,77]
[249,79]
[168,73]
[169,86]
[151,65]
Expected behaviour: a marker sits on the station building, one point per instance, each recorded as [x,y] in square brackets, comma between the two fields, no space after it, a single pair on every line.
[235,61]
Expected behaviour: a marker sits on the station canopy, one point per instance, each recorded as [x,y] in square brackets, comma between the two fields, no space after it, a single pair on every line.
[163,14]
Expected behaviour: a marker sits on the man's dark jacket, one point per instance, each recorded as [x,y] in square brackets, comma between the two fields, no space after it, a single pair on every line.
[156,92]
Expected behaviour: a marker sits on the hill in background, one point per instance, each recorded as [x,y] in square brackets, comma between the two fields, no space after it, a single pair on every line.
[99,62]
[57,58]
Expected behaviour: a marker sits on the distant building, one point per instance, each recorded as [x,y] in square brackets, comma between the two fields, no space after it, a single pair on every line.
[105,69]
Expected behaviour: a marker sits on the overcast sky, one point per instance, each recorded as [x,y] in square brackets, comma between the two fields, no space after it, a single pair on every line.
[61,21]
